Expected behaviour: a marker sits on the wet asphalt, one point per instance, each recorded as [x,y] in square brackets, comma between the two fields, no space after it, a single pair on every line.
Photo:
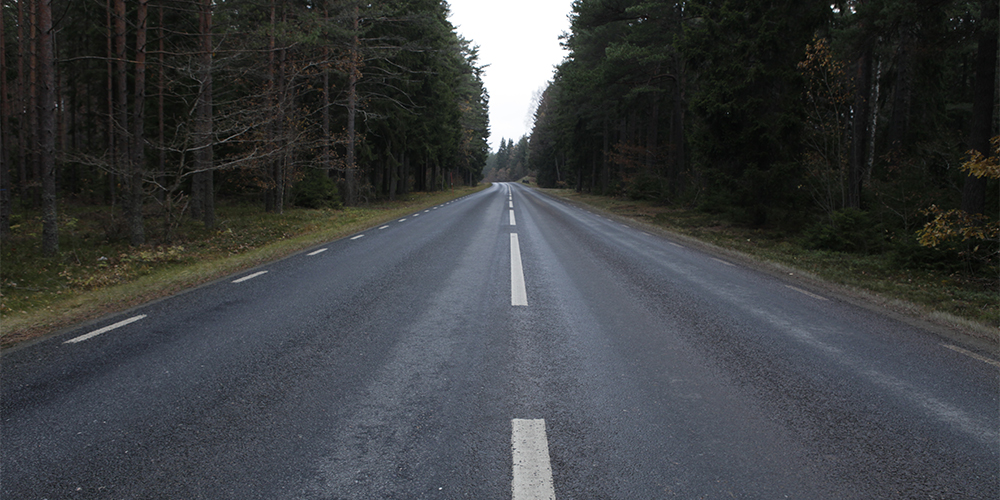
[391,365]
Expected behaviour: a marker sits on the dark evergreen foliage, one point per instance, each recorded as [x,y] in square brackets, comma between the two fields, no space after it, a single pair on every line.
[248,98]
[845,121]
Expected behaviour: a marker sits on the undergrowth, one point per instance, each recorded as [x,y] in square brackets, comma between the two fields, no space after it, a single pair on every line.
[97,272]
[934,280]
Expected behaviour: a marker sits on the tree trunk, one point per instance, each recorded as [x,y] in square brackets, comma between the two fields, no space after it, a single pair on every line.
[326,123]
[899,121]
[22,135]
[393,174]
[121,99]
[653,128]
[161,140]
[677,131]
[326,157]
[405,175]
[46,132]
[34,153]
[136,193]
[859,133]
[4,141]
[271,130]
[282,140]
[984,88]
[352,99]
[110,97]
[203,120]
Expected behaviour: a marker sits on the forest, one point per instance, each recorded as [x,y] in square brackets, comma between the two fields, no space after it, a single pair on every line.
[855,126]
[152,110]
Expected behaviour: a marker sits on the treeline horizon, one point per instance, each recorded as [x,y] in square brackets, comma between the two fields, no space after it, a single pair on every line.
[846,122]
[153,109]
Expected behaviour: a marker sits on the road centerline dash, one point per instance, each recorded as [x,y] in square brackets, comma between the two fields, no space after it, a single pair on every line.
[518,293]
[530,456]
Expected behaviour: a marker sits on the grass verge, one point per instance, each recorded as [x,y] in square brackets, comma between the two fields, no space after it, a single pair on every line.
[967,306]
[96,273]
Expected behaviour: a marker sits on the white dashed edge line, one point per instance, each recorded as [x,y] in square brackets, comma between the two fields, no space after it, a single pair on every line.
[106,329]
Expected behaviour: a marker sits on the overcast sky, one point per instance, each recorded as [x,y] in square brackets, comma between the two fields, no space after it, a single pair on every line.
[519,39]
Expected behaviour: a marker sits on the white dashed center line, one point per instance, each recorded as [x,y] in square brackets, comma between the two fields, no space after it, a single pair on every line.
[317,252]
[358,236]
[518,294]
[512,222]
[530,453]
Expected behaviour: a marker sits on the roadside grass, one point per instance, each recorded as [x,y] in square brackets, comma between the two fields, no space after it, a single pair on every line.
[951,299]
[97,272]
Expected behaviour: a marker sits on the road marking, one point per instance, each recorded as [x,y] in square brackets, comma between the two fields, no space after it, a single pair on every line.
[383,227]
[358,236]
[510,203]
[972,355]
[512,218]
[724,262]
[530,457]
[317,252]
[250,277]
[675,244]
[813,295]
[401,220]
[106,329]
[518,294]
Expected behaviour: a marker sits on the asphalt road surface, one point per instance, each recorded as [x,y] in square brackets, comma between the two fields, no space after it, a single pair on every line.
[504,345]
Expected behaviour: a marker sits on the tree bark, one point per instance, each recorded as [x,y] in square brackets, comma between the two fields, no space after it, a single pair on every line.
[859,128]
[984,88]
[161,169]
[4,141]
[271,130]
[21,98]
[46,131]
[203,120]
[121,97]
[136,193]
[281,160]
[677,130]
[34,177]
[352,99]
[326,157]
[899,121]
[110,98]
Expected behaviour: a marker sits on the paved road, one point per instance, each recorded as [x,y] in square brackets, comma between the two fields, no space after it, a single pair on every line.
[502,345]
